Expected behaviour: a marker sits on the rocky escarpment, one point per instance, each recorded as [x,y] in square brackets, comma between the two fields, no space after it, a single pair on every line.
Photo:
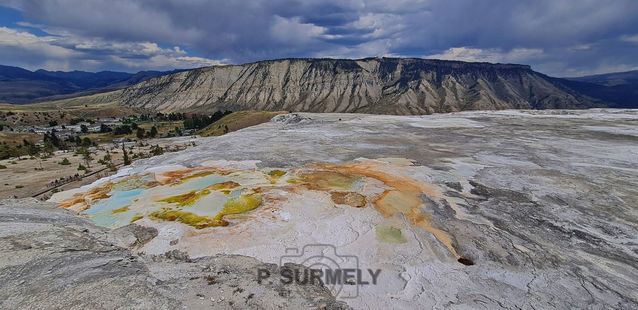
[51,259]
[372,85]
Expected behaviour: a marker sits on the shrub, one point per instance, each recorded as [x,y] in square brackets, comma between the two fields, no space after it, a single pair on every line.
[153,132]
[65,162]
[156,150]
[123,130]
[140,133]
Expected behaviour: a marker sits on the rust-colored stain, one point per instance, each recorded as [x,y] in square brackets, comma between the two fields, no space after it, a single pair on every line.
[186,199]
[401,197]
[352,199]
[180,176]
[404,198]
[328,179]
[423,220]
[223,186]
[94,194]
[74,201]
[372,170]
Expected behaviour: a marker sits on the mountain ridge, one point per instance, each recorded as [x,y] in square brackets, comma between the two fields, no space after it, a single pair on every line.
[609,79]
[620,89]
[368,85]
[18,85]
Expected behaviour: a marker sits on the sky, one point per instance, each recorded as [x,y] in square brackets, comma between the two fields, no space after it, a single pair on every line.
[556,37]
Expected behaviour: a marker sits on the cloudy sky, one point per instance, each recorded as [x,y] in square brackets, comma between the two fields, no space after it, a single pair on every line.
[557,37]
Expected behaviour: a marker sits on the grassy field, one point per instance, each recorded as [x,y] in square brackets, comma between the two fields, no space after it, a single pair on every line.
[17,138]
[41,114]
[163,128]
[238,120]
[26,176]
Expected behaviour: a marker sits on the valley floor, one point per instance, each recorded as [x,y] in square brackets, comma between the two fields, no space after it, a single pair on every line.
[27,176]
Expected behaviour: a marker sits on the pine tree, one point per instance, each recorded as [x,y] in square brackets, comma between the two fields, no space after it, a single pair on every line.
[153,132]
[127,161]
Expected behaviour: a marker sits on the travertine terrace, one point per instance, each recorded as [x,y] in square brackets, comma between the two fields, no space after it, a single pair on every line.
[513,209]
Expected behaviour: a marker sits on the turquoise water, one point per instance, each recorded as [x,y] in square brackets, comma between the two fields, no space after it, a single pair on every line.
[211,204]
[102,211]
[126,193]
[202,182]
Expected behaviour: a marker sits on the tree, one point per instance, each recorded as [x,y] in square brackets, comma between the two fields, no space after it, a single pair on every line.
[86,142]
[153,132]
[48,148]
[105,129]
[86,156]
[53,140]
[123,130]
[106,160]
[189,123]
[134,126]
[65,162]
[53,123]
[32,149]
[140,133]
[156,150]
[84,129]
[127,161]
[7,151]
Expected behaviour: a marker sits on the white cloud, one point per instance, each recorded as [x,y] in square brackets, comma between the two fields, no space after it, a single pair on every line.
[10,38]
[200,61]
[68,52]
[376,48]
[166,62]
[292,30]
[516,55]
[556,35]
[630,38]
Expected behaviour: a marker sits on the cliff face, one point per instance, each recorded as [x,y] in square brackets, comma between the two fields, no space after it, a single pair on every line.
[373,85]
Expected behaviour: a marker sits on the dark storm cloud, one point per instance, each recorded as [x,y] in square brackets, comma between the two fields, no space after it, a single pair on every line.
[557,37]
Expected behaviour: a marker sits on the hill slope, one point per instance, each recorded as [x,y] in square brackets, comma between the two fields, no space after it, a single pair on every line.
[19,85]
[610,79]
[619,89]
[372,85]
[236,121]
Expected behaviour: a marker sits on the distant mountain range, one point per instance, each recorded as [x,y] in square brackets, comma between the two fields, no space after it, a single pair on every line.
[19,85]
[618,89]
[370,85]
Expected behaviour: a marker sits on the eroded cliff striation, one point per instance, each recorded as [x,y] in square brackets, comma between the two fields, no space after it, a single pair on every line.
[371,85]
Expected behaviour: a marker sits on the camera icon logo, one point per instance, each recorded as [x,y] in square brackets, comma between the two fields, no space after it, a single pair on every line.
[339,273]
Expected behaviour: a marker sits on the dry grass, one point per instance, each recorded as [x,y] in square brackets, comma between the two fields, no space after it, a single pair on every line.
[17,138]
[41,114]
[23,177]
[238,120]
